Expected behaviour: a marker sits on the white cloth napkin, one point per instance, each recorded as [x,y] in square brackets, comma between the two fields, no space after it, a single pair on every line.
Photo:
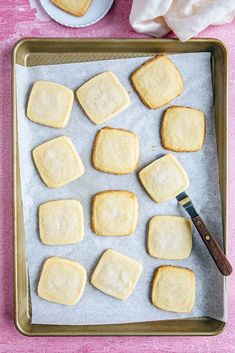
[184,17]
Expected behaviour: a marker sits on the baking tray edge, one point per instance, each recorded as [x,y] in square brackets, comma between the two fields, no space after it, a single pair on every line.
[200,326]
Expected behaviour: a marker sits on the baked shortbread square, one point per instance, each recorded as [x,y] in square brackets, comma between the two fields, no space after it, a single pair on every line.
[116,274]
[115,151]
[58,162]
[183,129]
[114,212]
[62,281]
[164,178]
[74,7]
[103,97]
[61,222]
[157,82]
[50,104]
[174,289]
[169,237]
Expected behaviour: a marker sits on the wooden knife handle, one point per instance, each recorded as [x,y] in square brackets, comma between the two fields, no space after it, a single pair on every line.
[216,252]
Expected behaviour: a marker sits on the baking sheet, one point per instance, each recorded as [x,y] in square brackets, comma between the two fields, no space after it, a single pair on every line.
[96,307]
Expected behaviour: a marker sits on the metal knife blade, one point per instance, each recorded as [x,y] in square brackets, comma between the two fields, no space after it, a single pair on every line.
[185,201]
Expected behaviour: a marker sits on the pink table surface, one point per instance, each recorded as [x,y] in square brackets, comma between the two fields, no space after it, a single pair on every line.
[19,19]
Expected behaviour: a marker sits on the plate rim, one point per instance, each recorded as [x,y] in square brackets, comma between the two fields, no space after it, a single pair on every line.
[55,18]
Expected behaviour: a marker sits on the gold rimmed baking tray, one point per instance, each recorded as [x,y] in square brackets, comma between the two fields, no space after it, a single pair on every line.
[32,52]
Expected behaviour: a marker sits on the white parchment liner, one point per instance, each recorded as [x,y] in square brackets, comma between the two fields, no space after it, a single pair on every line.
[202,167]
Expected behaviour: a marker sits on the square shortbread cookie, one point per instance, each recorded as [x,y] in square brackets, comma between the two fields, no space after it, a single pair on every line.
[103,97]
[61,222]
[115,151]
[50,104]
[58,162]
[116,274]
[174,289]
[62,281]
[169,237]
[114,212]
[74,7]
[183,129]
[157,82]
[164,178]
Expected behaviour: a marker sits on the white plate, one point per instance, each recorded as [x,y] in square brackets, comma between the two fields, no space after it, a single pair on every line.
[97,10]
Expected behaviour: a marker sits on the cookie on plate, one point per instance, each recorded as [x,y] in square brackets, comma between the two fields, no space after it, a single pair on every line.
[183,129]
[74,7]
[114,212]
[174,289]
[50,104]
[62,281]
[164,178]
[103,97]
[116,274]
[58,162]
[170,237]
[61,222]
[157,82]
[115,151]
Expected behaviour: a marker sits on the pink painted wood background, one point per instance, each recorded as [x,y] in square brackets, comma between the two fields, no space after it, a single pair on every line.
[18,20]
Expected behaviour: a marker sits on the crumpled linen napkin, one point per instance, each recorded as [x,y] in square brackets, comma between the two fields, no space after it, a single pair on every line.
[185,18]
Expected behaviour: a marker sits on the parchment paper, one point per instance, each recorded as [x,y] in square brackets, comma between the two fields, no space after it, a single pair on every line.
[95,307]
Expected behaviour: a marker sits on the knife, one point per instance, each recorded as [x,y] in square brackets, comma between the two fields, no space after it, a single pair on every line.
[213,247]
